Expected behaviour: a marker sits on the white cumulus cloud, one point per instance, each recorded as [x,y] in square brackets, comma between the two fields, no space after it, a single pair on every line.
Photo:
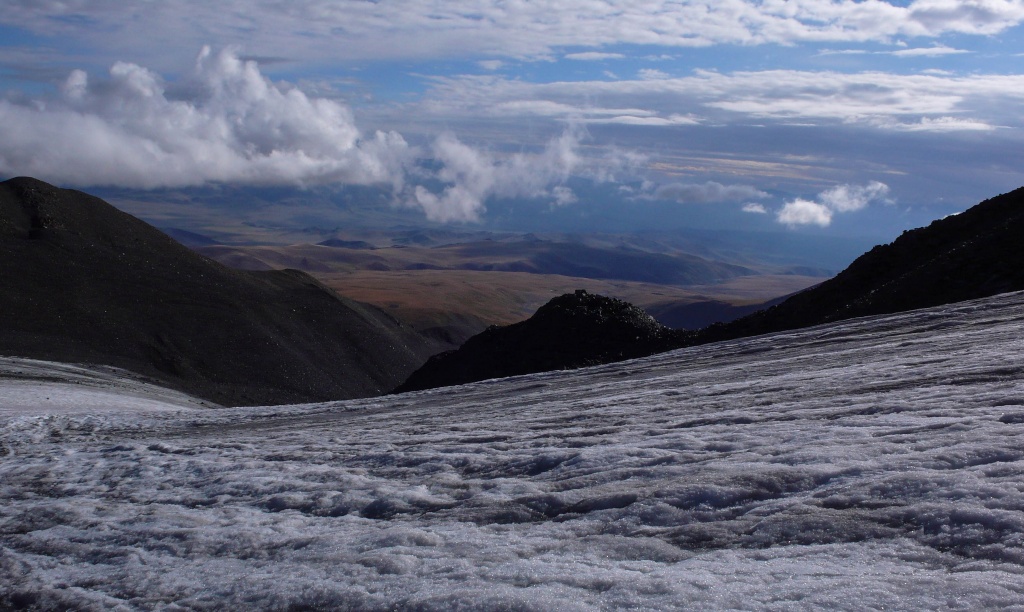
[839,199]
[849,198]
[471,176]
[805,212]
[226,122]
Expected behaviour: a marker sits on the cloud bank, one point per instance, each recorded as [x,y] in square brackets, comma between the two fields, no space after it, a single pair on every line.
[225,122]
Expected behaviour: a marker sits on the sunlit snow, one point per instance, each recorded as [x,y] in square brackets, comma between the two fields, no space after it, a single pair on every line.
[877,463]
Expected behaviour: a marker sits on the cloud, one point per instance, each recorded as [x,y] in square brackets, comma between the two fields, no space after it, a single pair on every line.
[937,124]
[472,176]
[753,207]
[805,212]
[491,64]
[709,192]
[324,30]
[935,51]
[563,196]
[649,74]
[850,198]
[874,100]
[839,199]
[225,122]
[644,118]
[590,56]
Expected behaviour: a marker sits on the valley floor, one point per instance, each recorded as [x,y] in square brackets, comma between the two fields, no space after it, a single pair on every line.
[878,463]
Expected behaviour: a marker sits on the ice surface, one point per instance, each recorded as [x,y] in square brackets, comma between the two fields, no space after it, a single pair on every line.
[878,463]
[32,387]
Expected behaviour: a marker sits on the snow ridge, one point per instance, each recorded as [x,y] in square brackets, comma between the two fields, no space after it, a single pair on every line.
[875,463]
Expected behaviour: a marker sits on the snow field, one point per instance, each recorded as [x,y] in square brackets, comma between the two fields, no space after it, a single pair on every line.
[877,463]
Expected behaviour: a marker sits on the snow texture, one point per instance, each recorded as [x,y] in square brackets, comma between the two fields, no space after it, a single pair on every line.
[873,464]
[33,387]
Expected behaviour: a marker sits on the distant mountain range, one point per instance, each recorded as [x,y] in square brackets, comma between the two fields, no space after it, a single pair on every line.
[453,285]
[536,256]
[81,281]
[974,254]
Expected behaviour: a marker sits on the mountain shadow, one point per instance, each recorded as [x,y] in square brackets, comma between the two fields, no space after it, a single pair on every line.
[81,281]
[974,254]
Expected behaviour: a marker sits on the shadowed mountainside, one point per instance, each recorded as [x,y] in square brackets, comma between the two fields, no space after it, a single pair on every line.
[974,254]
[84,282]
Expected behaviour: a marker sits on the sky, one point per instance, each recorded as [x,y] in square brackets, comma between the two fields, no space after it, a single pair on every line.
[776,115]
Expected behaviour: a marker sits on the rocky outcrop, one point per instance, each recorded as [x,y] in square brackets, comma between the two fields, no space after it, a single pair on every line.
[571,331]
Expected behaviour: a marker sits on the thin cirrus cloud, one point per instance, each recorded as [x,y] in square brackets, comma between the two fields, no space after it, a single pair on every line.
[839,199]
[873,99]
[417,29]
[933,51]
[706,193]
[593,56]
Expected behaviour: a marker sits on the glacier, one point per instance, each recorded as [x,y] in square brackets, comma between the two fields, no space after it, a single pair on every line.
[877,463]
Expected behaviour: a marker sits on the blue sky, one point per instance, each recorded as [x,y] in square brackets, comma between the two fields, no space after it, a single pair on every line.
[795,115]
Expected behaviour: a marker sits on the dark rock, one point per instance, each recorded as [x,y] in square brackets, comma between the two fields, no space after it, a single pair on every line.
[571,331]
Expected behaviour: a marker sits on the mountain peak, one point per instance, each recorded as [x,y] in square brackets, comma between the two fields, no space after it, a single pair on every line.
[570,331]
[581,310]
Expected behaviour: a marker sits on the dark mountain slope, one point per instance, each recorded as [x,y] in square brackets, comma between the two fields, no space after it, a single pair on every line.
[81,281]
[571,331]
[975,254]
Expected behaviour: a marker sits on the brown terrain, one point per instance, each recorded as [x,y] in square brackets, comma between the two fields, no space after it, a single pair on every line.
[452,291]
